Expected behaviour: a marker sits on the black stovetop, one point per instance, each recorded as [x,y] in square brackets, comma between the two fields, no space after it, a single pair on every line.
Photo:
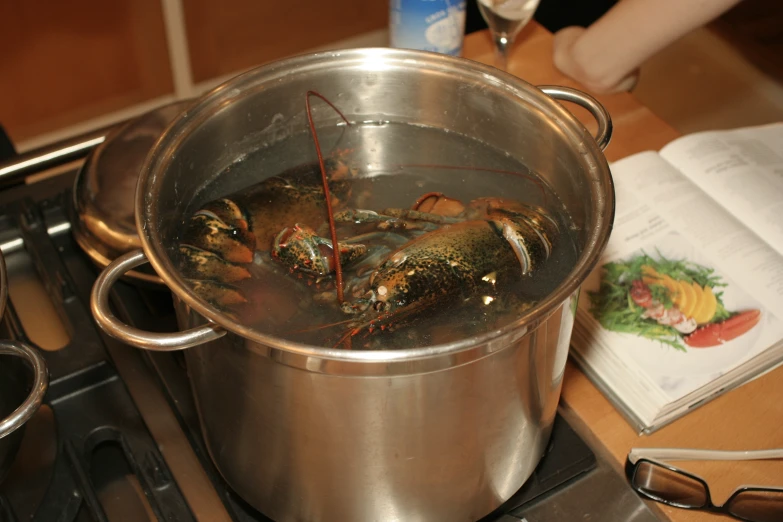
[97,433]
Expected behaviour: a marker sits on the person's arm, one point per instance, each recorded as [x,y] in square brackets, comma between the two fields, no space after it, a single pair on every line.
[605,56]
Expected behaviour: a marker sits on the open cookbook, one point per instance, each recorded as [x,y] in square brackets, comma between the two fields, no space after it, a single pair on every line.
[687,300]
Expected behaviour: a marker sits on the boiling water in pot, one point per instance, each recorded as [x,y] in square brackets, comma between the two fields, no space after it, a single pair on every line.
[448,271]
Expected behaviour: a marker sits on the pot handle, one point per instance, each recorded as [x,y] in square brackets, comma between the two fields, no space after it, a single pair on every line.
[601,115]
[40,384]
[159,342]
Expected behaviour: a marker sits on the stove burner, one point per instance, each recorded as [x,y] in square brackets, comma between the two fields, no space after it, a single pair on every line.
[96,419]
[101,439]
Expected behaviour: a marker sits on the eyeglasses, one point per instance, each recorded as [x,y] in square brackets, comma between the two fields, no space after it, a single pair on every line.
[653,479]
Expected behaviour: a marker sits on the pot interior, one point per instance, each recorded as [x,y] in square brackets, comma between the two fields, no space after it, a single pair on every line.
[264,108]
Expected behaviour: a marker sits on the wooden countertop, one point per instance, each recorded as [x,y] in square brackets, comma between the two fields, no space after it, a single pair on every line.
[750,417]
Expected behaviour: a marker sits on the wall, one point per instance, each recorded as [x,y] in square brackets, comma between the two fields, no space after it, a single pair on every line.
[66,67]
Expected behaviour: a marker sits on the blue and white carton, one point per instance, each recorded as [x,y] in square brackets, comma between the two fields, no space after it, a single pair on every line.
[428,25]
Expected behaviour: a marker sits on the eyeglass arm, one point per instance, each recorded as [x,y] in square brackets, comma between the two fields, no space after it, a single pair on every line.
[702,454]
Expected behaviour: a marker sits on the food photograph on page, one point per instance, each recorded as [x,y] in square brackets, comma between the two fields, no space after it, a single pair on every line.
[675,302]
[676,315]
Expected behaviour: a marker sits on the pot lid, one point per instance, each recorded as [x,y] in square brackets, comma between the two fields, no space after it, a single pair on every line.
[105,187]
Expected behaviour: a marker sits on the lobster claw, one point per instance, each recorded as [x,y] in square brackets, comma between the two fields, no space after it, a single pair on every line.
[221,228]
[300,249]
[201,264]
[715,334]
[218,293]
[215,245]
[528,232]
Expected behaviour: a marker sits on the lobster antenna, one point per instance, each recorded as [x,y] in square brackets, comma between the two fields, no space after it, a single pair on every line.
[330,213]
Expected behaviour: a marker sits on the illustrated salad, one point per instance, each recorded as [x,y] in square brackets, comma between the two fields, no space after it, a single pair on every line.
[670,301]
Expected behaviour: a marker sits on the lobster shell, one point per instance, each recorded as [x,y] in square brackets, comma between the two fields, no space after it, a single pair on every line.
[724,331]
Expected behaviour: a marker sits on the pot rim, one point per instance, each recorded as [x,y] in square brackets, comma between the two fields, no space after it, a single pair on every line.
[375,59]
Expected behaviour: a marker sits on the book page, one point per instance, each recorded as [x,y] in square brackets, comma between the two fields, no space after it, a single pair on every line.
[742,169]
[719,301]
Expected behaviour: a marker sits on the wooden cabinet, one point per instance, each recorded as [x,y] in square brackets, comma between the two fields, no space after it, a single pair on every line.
[225,37]
[66,63]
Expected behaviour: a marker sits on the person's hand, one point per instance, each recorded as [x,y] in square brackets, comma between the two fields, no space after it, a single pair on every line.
[568,62]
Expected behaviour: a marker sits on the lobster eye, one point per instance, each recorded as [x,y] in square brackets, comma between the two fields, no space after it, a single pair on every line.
[379,306]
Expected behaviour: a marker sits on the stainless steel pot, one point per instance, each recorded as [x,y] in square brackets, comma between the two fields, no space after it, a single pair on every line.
[19,399]
[443,432]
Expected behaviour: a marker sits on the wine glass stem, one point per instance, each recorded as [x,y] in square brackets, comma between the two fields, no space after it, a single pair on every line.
[502,43]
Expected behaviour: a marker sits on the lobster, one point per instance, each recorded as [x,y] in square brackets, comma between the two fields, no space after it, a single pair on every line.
[221,239]
[716,334]
[460,252]
[437,252]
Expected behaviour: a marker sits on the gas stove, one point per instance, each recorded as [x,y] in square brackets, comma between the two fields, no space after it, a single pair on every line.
[118,437]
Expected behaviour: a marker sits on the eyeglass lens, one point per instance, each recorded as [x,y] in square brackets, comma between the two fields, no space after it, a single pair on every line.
[669,486]
[758,506]
[677,489]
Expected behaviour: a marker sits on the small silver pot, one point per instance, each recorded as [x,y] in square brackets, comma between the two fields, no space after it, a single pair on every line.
[301,432]
[19,400]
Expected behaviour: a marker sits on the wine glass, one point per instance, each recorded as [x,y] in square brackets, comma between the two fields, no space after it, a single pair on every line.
[505,19]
